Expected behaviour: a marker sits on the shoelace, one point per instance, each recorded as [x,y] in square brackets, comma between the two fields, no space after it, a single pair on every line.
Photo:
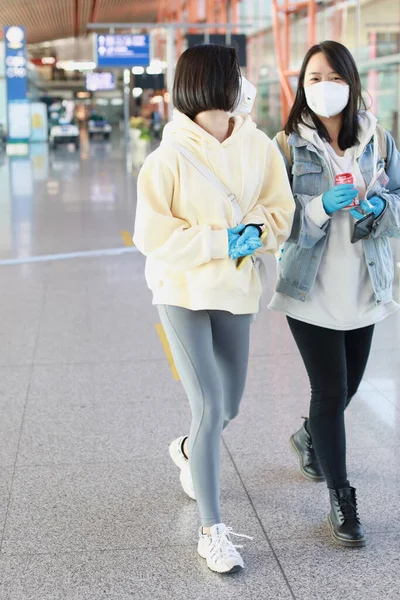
[311,452]
[348,507]
[223,545]
[309,444]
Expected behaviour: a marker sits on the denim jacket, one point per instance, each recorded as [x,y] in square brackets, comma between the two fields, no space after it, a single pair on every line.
[310,177]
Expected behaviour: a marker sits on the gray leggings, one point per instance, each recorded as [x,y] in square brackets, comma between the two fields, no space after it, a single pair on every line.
[211,351]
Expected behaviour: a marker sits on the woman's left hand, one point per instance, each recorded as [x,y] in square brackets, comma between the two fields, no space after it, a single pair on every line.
[374,204]
[250,233]
[248,242]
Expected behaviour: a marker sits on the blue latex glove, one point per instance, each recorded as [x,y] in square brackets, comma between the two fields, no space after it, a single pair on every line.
[249,233]
[233,237]
[374,204]
[339,197]
[248,240]
[246,248]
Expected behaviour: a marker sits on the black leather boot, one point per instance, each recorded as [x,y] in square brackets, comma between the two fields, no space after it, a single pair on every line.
[309,465]
[344,520]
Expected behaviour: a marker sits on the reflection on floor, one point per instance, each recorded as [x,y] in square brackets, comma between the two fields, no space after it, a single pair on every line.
[90,505]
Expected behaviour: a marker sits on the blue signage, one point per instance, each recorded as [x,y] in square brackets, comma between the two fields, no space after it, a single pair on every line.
[15,54]
[18,110]
[122,51]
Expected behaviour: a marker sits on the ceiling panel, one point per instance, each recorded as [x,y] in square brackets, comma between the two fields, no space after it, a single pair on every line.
[126,11]
[53,19]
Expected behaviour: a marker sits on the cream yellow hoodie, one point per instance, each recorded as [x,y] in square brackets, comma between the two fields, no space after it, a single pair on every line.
[182,219]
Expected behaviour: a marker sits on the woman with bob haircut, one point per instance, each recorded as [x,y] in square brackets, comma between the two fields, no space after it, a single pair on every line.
[335,273]
[211,196]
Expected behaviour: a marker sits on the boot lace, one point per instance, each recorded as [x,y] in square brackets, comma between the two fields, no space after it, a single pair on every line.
[309,445]
[348,508]
[222,548]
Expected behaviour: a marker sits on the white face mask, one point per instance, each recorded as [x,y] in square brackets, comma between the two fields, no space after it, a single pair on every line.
[327,98]
[246,99]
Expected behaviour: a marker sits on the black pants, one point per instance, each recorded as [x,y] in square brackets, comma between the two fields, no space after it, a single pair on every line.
[335,362]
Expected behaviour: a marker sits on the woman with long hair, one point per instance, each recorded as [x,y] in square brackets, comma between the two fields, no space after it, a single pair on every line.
[335,273]
[214,193]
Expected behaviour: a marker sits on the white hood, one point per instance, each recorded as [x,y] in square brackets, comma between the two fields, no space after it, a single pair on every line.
[367,122]
[186,132]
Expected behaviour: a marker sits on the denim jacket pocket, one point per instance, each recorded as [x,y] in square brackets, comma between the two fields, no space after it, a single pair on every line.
[307,178]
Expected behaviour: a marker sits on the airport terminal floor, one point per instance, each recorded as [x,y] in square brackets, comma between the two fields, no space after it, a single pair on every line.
[90,502]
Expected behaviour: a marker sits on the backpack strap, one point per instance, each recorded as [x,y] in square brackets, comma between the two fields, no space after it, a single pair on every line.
[382,143]
[283,141]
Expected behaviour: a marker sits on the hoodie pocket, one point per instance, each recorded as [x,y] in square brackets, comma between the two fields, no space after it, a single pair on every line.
[221,274]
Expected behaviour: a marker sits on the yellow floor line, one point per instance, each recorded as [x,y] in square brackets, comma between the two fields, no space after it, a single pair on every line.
[127,238]
[167,350]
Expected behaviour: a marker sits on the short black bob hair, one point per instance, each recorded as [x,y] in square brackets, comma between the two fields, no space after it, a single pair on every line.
[342,62]
[207,77]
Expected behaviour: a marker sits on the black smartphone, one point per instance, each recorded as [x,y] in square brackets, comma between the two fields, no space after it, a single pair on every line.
[363,228]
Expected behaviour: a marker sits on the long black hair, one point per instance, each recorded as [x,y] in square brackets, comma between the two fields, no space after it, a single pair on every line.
[342,62]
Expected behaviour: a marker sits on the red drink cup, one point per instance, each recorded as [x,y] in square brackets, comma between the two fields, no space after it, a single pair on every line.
[348,178]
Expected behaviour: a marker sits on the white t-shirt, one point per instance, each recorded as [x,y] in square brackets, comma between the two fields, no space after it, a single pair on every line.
[342,297]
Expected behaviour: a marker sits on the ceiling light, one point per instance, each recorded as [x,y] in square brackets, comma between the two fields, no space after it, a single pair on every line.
[127,76]
[138,70]
[154,70]
[72,65]
[137,92]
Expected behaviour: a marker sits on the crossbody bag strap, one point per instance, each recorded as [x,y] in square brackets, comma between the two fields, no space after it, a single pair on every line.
[212,178]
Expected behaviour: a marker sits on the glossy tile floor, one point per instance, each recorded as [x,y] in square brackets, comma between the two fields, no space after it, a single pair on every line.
[90,504]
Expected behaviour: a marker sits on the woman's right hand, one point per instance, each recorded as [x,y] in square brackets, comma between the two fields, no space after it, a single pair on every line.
[339,197]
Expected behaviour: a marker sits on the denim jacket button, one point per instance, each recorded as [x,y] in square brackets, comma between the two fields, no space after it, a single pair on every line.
[371,263]
[378,301]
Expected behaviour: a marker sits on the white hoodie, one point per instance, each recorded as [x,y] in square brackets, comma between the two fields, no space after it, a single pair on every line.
[342,297]
[182,219]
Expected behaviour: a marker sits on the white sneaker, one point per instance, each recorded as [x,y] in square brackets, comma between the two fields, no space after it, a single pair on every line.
[175,451]
[219,551]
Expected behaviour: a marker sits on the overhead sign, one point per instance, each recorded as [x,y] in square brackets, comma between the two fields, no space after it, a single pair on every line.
[122,51]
